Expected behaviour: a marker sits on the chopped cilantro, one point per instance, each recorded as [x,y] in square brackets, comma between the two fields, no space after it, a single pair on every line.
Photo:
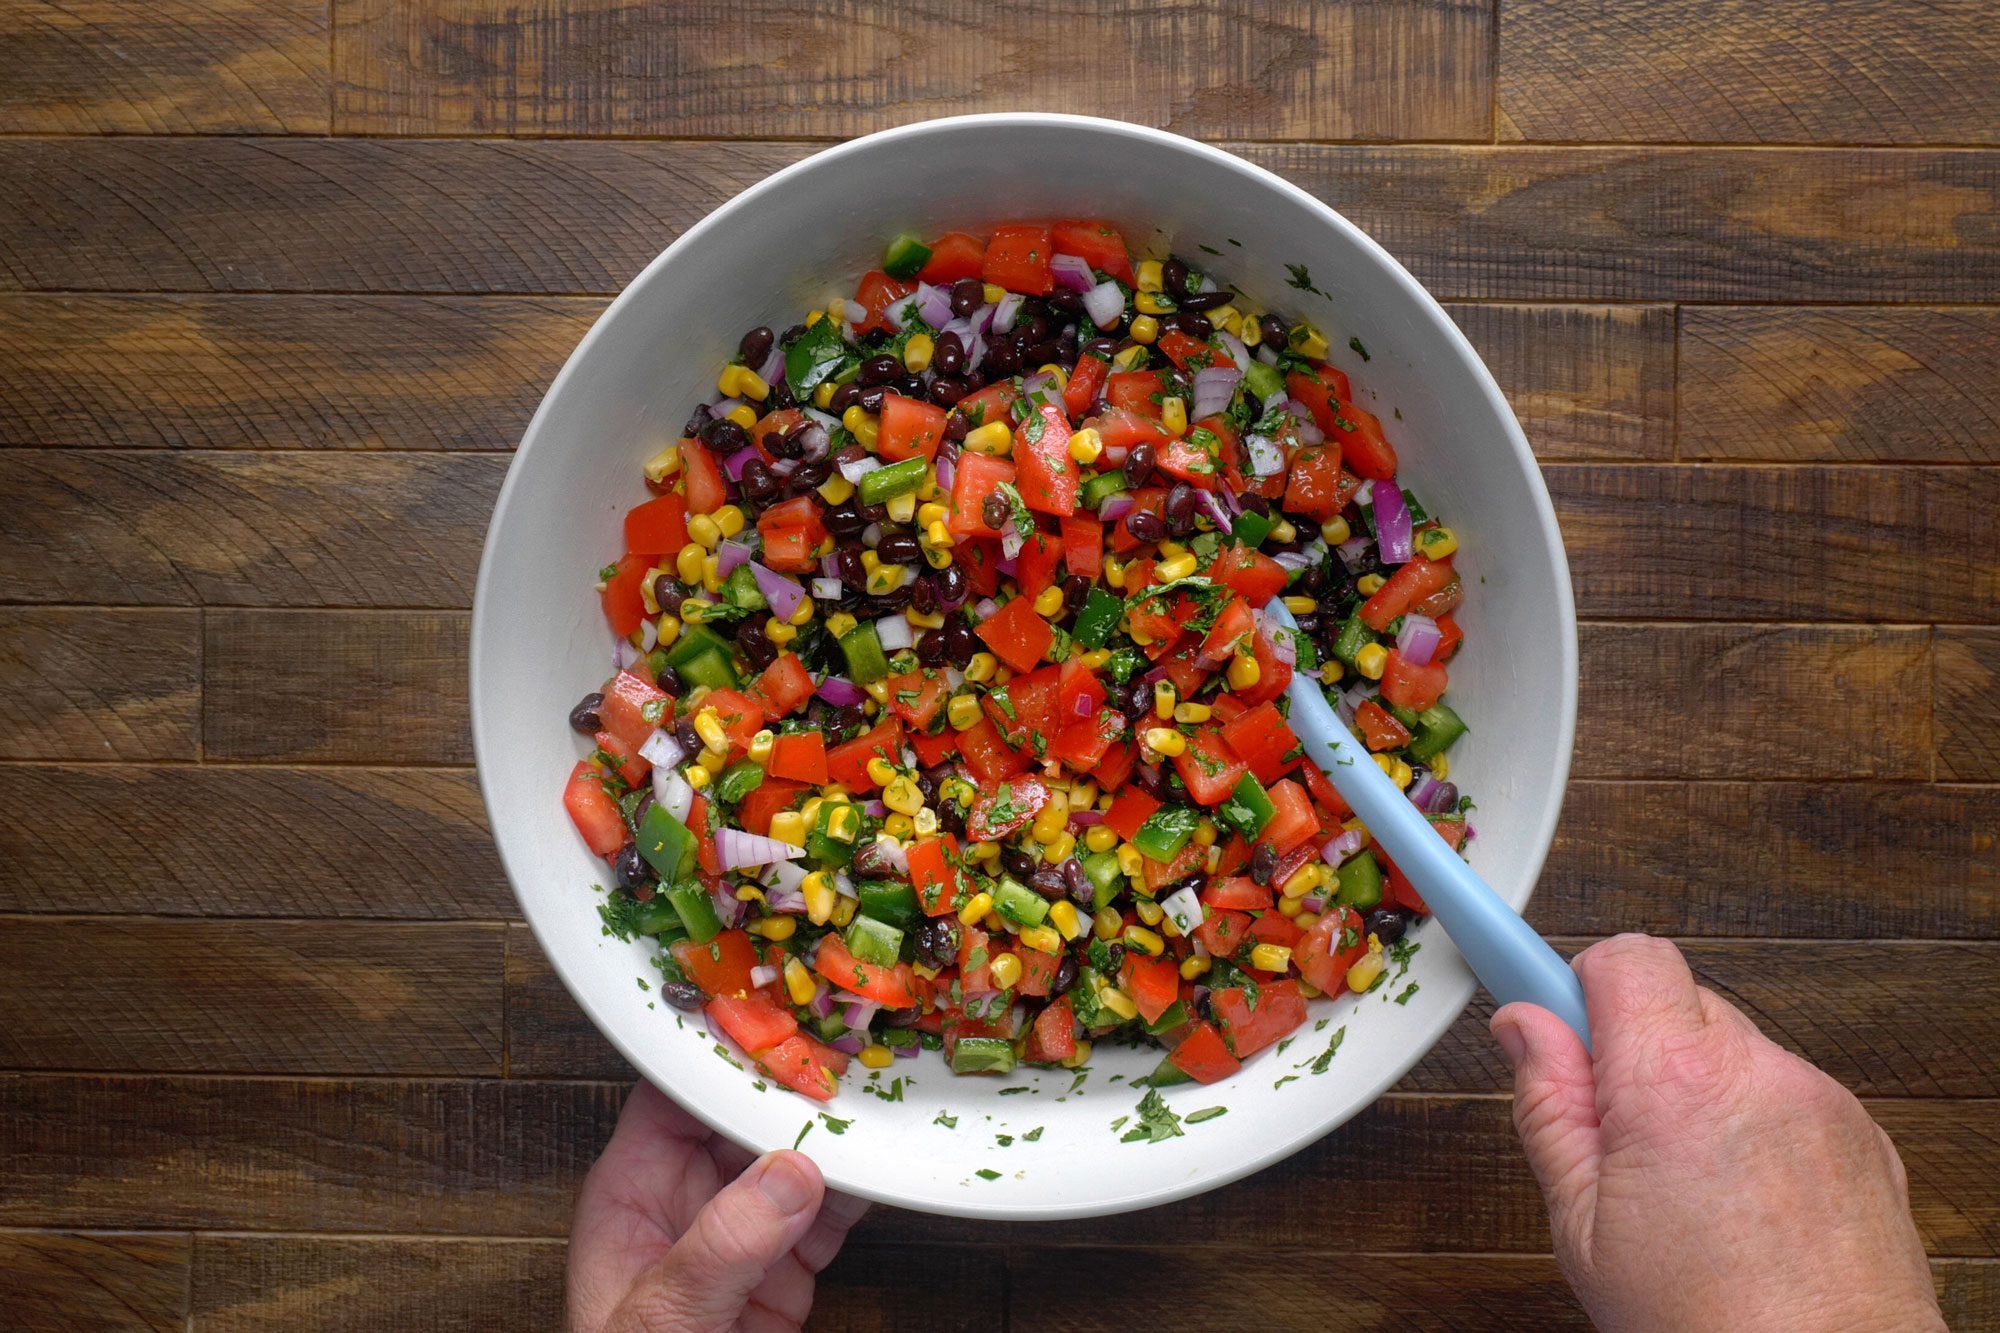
[802,1134]
[987,1173]
[1032,1136]
[1157,1121]
[1206,1113]
[1355,343]
[835,1125]
[948,1121]
[1408,991]
[1319,1066]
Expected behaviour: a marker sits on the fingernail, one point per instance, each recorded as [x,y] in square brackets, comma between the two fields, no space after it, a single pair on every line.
[1512,1044]
[785,1185]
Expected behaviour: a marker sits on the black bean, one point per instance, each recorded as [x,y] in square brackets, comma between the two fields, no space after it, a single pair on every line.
[951,819]
[844,519]
[1101,348]
[1003,359]
[1263,863]
[909,386]
[1312,579]
[1139,464]
[1047,352]
[929,780]
[868,862]
[698,420]
[1077,881]
[724,437]
[899,548]
[1066,302]
[1387,924]
[948,357]
[1075,588]
[846,396]
[629,866]
[1198,301]
[756,345]
[930,648]
[1146,525]
[1115,956]
[785,443]
[1273,330]
[1189,322]
[1309,625]
[967,295]
[759,481]
[1066,975]
[810,476]
[670,681]
[1204,1009]
[871,398]
[1174,275]
[1445,797]
[754,644]
[995,510]
[853,570]
[956,428]
[584,719]
[792,334]
[945,391]
[1048,881]
[878,370]
[937,941]
[1017,863]
[1180,508]
[959,643]
[684,995]
[951,587]
[923,597]
[684,733]
[1138,698]
[781,396]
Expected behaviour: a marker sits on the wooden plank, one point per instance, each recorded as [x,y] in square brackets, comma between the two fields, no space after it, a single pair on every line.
[1290,70]
[1968,708]
[1790,543]
[1586,381]
[99,684]
[280,372]
[341,687]
[1837,860]
[1705,224]
[414,1285]
[1530,224]
[265,997]
[244,529]
[1753,701]
[960,1289]
[1749,71]
[258,841]
[1802,385]
[1968,1292]
[164,67]
[54,1282]
[1823,1001]
[548,1035]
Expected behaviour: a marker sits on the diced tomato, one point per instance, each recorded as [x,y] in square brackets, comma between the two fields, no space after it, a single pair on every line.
[1209,767]
[1368,452]
[1035,567]
[720,967]
[593,811]
[1138,391]
[932,748]
[978,476]
[784,687]
[754,1022]
[1185,671]
[1314,486]
[957,1027]
[1203,1056]
[916,696]
[798,1063]
[1223,933]
[657,527]
[1038,970]
[1120,758]
[1085,379]
[1156,621]
[1185,458]
[624,602]
[1083,745]
[792,533]
[1379,729]
[632,708]
[773,423]
[1407,685]
[848,764]
[1328,950]
[979,557]
[1324,793]
[1157,875]
[1256,577]
[1240,893]
[937,875]
[1186,351]
[954,255]
[1006,810]
[975,960]
[1097,243]
[1121,429]
[1052,1039]
[877,292]
[632,768]
[1131,809]
[1026,706]
[1451,828]
[1047,476]
[1412,582]
[1294,822]
[1397,889]
[1279,1009]
[1083,544]
[1079,693]
[1275,928]
[1322,389]
[701,478]
[1450,636]
[800,757]
[1263,739]
[1235,856]
[740,715]
[774,794]
[1017,258]
[1152,983]
[1442,602]
[701,824]
[995,402]
[1016,634]
[888,986]
[1231,627]
[990,758]
[909,428]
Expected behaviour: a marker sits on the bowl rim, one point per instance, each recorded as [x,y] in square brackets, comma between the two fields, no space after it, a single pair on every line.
[1540,840]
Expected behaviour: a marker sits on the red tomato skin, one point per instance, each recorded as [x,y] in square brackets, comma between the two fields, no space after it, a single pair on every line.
[593,811]
[624,602]
[1280,1009]
[1407,685]
[657,527]
[1017,258]
[1203,1055]
[954,255]
[1097,243]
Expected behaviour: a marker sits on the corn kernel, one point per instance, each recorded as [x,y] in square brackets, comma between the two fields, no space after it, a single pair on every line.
[876,1057]
[749,893]
[814,317]
[885,579]
[1063,917]
[993,293]
[1079,1057]
[1173,416]
[1331,669]
[1282,532]
[711,573]
[878,690]
[1440,767]
[924,970]
[1307,341]
[664,464]
[1179,567]
[1114,574]
[844,824]
[1151,275]
[1385,763]
[1086,446]
[1006,969]
[995,438]
[670,630]
[1243,673]
[823,395]
[902,508]
[1367,970]
[1153,303]
[1164,699]
[697,776]
[938,535]
[1144,940]
[1371,660]
[760,746]
[836,489]
[799,983]
[1252,332]
[839,623]
[981,668]
[708,726]
[773,927]
[1402,775]
[917,353]
[1130,861]
[1049,822]
[903,795]
[742,416]
[1335,531]
[729,520]
[1061,849]
[810,810]
[1270,957]
[1145,329]
[854,418]
[688,563]
[881,772]
[1082,795]
[1204,833]
[1192,713]
[1096,658]
[778,632]
[843,911]
[1227,317]
[1054,373]
[1437,543]
[1165,741]
[1043,939]
[1194,965]
[1099,838]
[704,529]
[979,906]
[899,826]
[1118,1002]
[1105,923]
[1151,912]
[804,614]
[1369,584]
[789,827]
[1132,358]
[1301,606]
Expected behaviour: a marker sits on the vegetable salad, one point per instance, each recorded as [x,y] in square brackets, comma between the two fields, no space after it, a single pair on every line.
[947,713]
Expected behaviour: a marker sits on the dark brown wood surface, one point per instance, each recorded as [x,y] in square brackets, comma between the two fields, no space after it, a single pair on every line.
[282,280]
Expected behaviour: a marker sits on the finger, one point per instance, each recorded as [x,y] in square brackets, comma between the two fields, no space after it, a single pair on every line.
[748,1227]
[837,1217]
[1555,1113]
[1638,990]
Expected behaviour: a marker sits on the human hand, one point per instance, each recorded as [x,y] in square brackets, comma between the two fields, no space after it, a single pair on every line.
[1699,1176]
[679,1229]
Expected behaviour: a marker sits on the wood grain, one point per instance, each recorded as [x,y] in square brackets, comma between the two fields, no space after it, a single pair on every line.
[96,684]
[1290,70]
[1749,71]
[1792,543]
[326,1284]
[248,842]
[1968,709]
[268,997]
[1512,223]
[1585,381]
[1799,385]
[1968,1292]
[1886,1020]
[280,372]
[1753,701]
[1537,224]
[52,1282]
[548,1036]
[1836,860]
[503,1157]
[164,67]
[341,687]
[951,1288]
[246,529]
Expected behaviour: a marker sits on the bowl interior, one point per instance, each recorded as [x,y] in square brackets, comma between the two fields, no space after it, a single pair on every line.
[787,245]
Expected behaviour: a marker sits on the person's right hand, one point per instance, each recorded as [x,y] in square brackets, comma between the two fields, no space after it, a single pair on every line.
[1699,1176]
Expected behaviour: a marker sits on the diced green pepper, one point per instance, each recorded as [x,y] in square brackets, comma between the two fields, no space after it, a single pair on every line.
[862,647]
[741,591]
[712,668]
[739,780]
[657,915]
[887,900]
[872,941]
[1360,883]
[1437,727]
[1263,381]
[1249,807]
[693,642]
[1405,716]
[815,355]
[1105,877]
[1124,662]
[1162,836]
[982,1055]
[1251,528]
[665,844]
[1097,618]
[697,911]
[829,1027]
[1172,1017]
[821,845]
[886,483]
[1101,488]
[905,256]
[1019,903]
[1166,1074]
[1353,637]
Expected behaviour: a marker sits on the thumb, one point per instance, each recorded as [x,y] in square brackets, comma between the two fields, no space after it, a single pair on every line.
[1555,1113]
[750,1224]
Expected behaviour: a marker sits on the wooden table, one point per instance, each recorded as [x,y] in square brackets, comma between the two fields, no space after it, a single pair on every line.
[280,283]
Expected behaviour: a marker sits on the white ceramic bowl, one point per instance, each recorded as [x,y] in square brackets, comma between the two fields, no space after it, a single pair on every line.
[782,247]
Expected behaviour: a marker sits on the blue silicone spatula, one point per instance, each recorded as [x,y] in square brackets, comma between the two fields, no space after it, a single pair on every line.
[1505,953]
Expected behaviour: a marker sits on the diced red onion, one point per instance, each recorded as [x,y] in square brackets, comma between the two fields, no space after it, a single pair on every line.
[819,418]
[649,635]
[1007,564]
[1296,408]
[735,463]
[847,1043]
[1293,560]
[1343,845]
[763,974]
[1011,542]
[910,1052]
[1308,434]
[1315,901]
[1284,648]
[897,312]
[895,633]
[1085,818]
[1114,454]
[844,886]
[1418,640]
[1422,790]
[662,749]
[1237,351]
[814,441]
[1392,524]
[1353,552]
[841,692]
[1116,506]
[1007,311]
[1104,303]
[826,589]
[786,876]
[789,901]
[1214,506]
[672,791]
[1350,700]
[893,855]
[722,407]
[975,351]
[821,1004]
[729,907]
[985,607]
[1151,772]
[947,470]
[774,364]
[854,469]
[1267,354]
[729,556]
[1365,497]
[934,303]
[785,467]
[623,654]
[782,592]
[1266,458]
[1213,388]
[874,808]
[860,1013]
[1073,272]
[871,536]
[736,849]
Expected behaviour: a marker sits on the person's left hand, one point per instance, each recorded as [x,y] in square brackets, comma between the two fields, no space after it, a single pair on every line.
[679,1229]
